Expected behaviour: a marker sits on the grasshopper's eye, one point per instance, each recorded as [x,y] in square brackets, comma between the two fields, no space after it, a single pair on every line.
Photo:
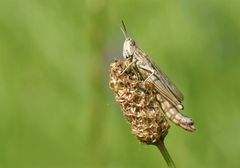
[132,43]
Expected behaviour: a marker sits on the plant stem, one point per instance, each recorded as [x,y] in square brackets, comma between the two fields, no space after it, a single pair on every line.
[165,154]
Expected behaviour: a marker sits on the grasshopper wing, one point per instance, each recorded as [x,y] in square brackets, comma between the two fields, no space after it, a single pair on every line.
[163,84]
[168,83]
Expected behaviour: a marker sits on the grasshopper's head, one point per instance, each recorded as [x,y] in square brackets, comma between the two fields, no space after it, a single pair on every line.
[129,45]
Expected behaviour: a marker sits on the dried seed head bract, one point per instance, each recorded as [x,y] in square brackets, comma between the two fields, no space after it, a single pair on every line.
[139,103]
[140,106]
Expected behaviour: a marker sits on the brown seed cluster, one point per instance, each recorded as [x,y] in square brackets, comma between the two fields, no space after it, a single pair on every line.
[139,103]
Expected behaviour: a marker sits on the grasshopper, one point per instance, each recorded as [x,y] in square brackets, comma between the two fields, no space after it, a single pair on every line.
[169,97]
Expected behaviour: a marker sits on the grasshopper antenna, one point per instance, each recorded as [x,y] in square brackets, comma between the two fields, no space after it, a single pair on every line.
[124,30]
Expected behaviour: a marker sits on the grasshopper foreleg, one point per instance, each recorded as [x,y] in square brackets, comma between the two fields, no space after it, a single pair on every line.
[128,66]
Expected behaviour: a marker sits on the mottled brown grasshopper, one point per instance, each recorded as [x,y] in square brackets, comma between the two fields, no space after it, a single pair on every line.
[169,97]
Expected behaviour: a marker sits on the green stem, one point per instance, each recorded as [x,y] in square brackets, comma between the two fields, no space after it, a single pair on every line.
[165,154]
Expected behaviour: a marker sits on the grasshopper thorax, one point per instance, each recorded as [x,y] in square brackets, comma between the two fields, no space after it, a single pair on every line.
[129,48]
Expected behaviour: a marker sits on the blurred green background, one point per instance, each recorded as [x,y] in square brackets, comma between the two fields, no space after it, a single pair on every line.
[56,109]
